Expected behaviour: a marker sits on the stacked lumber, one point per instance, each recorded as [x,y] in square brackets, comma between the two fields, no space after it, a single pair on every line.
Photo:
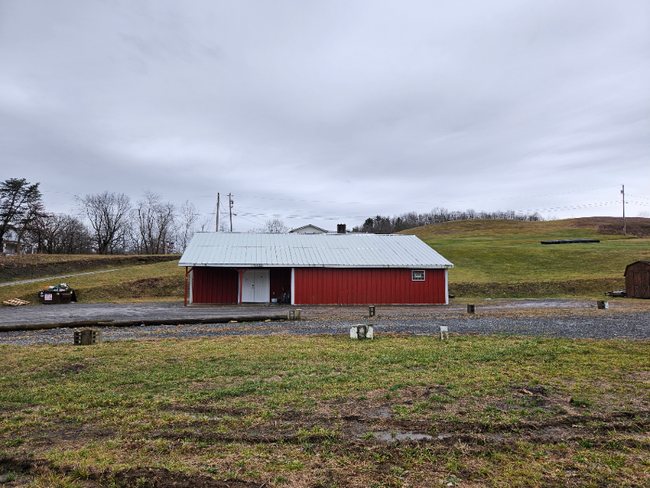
[15,302]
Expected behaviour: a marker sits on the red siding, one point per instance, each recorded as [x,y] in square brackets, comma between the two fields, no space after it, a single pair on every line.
[215,285]
[367,286]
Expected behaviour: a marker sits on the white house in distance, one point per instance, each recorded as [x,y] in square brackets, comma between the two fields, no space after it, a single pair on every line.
[308,229]
[10,243]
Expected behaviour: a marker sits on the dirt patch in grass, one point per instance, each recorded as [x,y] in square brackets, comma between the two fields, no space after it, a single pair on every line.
[24,468]
[357,447]
[637,227]
[73,368]
[522,416]
[163,478]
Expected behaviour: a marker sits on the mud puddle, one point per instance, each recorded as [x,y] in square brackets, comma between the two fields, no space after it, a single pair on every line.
[397,436]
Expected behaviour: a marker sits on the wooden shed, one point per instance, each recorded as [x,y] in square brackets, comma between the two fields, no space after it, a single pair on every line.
[313,269]
[637,279]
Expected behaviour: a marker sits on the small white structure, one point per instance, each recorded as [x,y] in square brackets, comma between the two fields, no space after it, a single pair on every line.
[361,331]
[444,332]
[308,229]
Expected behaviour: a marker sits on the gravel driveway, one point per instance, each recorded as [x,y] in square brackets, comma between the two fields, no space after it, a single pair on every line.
[550,318]
[77,312]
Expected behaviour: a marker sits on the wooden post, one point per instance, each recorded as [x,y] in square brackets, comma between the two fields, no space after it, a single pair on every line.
[87,337]
[186,272]
[241,272]
[444,332]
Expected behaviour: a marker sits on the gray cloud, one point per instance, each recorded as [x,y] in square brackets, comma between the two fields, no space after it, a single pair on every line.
[330,110]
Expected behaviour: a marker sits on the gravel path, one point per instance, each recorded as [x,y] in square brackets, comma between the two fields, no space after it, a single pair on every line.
[548,318]
[55,278]
[77,312]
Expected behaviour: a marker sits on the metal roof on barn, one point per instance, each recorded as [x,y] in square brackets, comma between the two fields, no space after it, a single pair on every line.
[311,251]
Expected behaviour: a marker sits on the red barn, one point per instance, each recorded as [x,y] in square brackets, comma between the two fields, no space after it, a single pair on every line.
[314,269]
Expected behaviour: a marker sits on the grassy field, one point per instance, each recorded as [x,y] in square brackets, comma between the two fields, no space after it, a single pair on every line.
[492,258]
[327,412]
[148,282]
[501,258]
[30,266]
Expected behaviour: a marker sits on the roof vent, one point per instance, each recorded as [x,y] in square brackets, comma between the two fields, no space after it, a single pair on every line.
[340,229]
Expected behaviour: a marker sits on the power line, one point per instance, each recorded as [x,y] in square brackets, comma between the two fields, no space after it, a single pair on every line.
[637,196]
[298,200]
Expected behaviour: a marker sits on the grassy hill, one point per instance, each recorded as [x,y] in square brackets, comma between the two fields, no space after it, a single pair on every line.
[492,258]
[136,278]
[502,258]
[31,266]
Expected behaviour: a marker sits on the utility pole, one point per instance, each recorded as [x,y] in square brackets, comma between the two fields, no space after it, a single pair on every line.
[230,204]
[623,193]
[217,229]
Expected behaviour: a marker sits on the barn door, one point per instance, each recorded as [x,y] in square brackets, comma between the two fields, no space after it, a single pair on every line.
[641,283]
[256,286]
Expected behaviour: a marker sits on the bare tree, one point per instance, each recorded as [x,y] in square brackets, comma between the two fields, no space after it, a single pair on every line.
[207,224]
[108,214]
[34,212]
[274,226]
[60,234]
[188,217]
[223,222]
[20,206]
[155,224]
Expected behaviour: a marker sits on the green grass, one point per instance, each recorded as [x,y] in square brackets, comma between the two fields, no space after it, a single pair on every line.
[30,266]
[290,409]
[492,258]
[505,258]
[160,281]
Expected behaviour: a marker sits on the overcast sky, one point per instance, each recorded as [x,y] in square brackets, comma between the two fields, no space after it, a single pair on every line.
[328,111]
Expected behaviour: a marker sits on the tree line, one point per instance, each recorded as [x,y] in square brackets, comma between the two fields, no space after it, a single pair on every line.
[109,223]
[389,225]
[103,223]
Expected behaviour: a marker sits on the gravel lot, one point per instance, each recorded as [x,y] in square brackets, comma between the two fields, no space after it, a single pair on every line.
[551,318]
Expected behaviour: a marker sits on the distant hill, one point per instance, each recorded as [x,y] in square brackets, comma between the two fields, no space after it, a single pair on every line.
[496,258]
[598,226]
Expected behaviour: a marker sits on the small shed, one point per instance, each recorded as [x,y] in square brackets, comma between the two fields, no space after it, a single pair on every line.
[313,269]
[637,279]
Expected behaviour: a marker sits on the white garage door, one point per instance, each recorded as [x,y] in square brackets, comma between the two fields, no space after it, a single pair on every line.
[256,286]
